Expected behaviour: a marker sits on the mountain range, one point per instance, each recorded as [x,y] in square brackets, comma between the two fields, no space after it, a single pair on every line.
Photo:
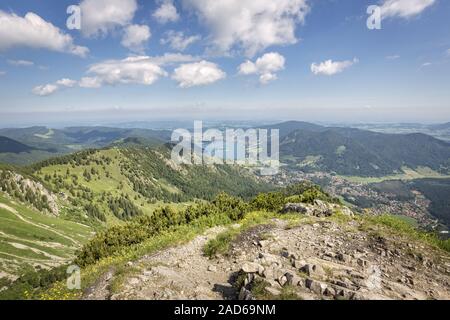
[303,146]
[121,193]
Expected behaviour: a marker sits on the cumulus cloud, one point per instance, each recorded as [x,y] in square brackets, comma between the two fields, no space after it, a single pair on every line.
[247,68]
[265,66]
[102,16]
[404,8]
[330,67]
[135,36]
[21,63]
[248,24]
[137,70]
[144,70]
[167,12]
[173,58]
[197,74]
[32,31]
[66,82]
[45,90]
[90,82]
[178,41]
[48,89]
[267,77]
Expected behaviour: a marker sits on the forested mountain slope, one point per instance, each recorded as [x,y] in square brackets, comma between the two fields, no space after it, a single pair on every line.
[356,152]
[120,183]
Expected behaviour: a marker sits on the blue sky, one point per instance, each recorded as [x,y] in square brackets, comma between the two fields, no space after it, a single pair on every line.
[307,60]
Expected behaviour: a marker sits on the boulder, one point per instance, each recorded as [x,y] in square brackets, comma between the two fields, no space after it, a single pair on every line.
[346,211]
[296,207]
[322,209]
[261,270]
[329,292]
[268,259]
[283,280]
[269,273]
[319,209]
[315,286]
[313,270]
[343,257]
[293,280]
[251,267]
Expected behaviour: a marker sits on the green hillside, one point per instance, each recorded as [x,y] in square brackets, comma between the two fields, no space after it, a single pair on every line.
[30,238]
[41,143]
[438,192]
[353,152]
[8,145]
[49,210]
[117,184]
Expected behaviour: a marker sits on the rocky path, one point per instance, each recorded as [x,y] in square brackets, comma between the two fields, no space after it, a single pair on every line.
[322,259]
[182,272]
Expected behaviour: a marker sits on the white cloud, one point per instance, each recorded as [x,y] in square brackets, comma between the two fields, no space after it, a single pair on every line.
[90,82]
[66,82]
[45,90]
[173,58]
[426,64]
[48,89]
[143,70]
[102,16]
[178,41]
[248,24]
[247,68]
[2,73]
[137,70]
[448,52]
[267,77]
[34,32]
[21,63]
[404,8]
[265,66]
[197,74]
[393,57]
[330,67]
[167,12]
[132,70]
[135,37]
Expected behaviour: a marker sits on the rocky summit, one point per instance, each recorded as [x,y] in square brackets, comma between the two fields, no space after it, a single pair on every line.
[304,257]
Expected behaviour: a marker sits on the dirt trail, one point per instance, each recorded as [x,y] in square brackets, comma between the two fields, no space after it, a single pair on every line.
[38,225]
[21,246]
[317,260]
[181,272]
[8,208]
